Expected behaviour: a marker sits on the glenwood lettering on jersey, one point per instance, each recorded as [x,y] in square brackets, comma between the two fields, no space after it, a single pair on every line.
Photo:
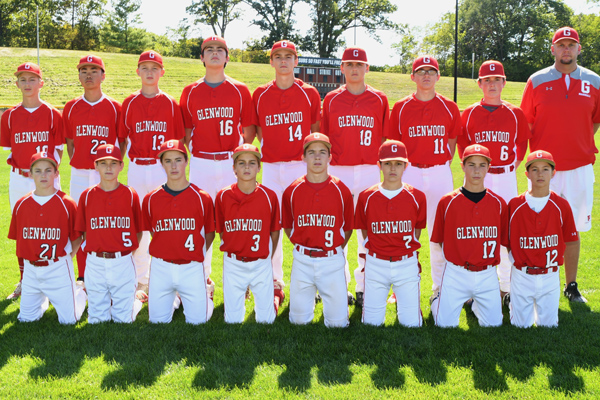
[426,130]
[477,232]
[285,118]
[92,130]
[110,223]
[356,120]
[538,242]
[316,220]
[29,137]
[175,224]
[383,227]
[492,136]
[34,233]
[150,126]
[240,224]
[215,112]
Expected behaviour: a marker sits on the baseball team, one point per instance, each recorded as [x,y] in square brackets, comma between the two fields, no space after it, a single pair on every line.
[322,168]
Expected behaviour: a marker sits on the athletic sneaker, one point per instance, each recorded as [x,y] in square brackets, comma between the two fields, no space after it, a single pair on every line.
[360,299]
[16,293]
[142,293]
[572,293]
[351,299]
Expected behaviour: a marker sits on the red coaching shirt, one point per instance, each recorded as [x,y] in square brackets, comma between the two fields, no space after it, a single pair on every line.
[216,115]
[285,118]
[563,119]
[148,122]
[391,223]
[471,232]
[504,131]
[27,133]
[538,239]
[318,213]
[355,124]
[90,126]
[245,221]
[178,223]
[425,128]
[43,232]
[110,220]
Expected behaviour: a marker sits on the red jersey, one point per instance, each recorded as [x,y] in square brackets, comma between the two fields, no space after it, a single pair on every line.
[504,131]
[148,122]
[356,125]
[90,126]
[245,221]
[471,233]
[318,213]
[285,118]
[425,128]
[28,133]
[563,119]
[391,223]
[43,232]
[179,224]
[538,239]
[216,115]
[110,220]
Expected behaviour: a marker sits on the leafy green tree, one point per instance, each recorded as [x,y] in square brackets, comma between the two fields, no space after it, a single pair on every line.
[276,18]
[407,49]
[215,13]
[120,29]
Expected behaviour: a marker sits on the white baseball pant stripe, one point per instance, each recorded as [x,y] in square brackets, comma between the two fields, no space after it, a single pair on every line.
[577,186]
[534,299]
[19,186]
[405,279]
[82,179]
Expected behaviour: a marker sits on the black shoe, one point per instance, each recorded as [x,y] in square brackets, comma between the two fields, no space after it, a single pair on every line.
[506,300]
[360,297]
[351,299]
[317,298]
[572,293]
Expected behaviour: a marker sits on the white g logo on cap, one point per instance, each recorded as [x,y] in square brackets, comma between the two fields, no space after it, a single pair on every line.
[108,149]
[316,136]
[151,55]
[170,144]
[284,44]
[355,52]
[246,146]
[492,67]
[539,154]
[44,154]
[567,32]
[477,148]
[426,60]
[90,59]
[394,148]
[27,66]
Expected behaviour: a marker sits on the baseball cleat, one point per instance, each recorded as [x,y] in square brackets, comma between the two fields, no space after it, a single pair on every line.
[392,299]
[142,293]
[351,299]
[434,296]
[360,299]
[16,293]
[317,298]
[210,288]
[571,292]
[505,298]
[247,295]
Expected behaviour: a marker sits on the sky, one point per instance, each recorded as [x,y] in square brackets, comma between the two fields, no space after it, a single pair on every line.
[416,13]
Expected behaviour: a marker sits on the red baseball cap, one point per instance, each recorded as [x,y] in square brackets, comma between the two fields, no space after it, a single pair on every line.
[173,144]
[476,150]
[108,152]
[355,54]
[393,150]
[214,40]
[246,148]
[491,68]
[425,61]
[540,155]
[91,60]
[317,137]
[42,155]
[29,67]
[150,56]
[565,33]
[283,45]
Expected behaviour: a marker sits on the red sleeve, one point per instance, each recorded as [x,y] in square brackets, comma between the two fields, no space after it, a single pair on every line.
[464,139]
[596,115]
[72,208]
[523,133]
[209,214]
[315,108]
[68,134]
[187,117]
[437,235]
[179,130]
[12,231]
[4,131]
[386,118]
[348,210]
[527,102]
[504,241]
[117,117]
[57,130]
[137,212]
[422,215]
[360,217]
[569,229]
[325,115]
[248,116]
[286,209]
[394,130]
[80,223]
[146,219]
[457,126]
[219,217]
[123,132]
[275,213]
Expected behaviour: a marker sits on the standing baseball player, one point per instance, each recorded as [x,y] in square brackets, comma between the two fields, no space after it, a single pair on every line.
[43,224]
[109,216]
[543,236]
[217,114]
[551,93]
[471,224]
[503,129]
[429,125]
[248,221]
[288,110]
[180,217]
[317,215]
[391,215]
[356,118]
[89,121]
[25,129]
[149,117]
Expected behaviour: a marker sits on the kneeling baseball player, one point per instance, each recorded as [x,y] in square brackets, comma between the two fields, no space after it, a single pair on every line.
[471,224]
[248,220]
[109,215]
[391,216]
[543,236]
[318,214]
[43,224]
[181,219]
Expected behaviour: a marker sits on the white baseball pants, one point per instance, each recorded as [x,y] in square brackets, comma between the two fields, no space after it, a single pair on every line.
[534,299]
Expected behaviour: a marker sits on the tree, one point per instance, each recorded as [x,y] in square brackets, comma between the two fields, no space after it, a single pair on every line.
[216,13]
[119,30]
[331,18]
[275,17]
[406,49]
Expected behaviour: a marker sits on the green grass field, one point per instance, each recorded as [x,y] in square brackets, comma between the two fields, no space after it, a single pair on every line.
[216,360]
